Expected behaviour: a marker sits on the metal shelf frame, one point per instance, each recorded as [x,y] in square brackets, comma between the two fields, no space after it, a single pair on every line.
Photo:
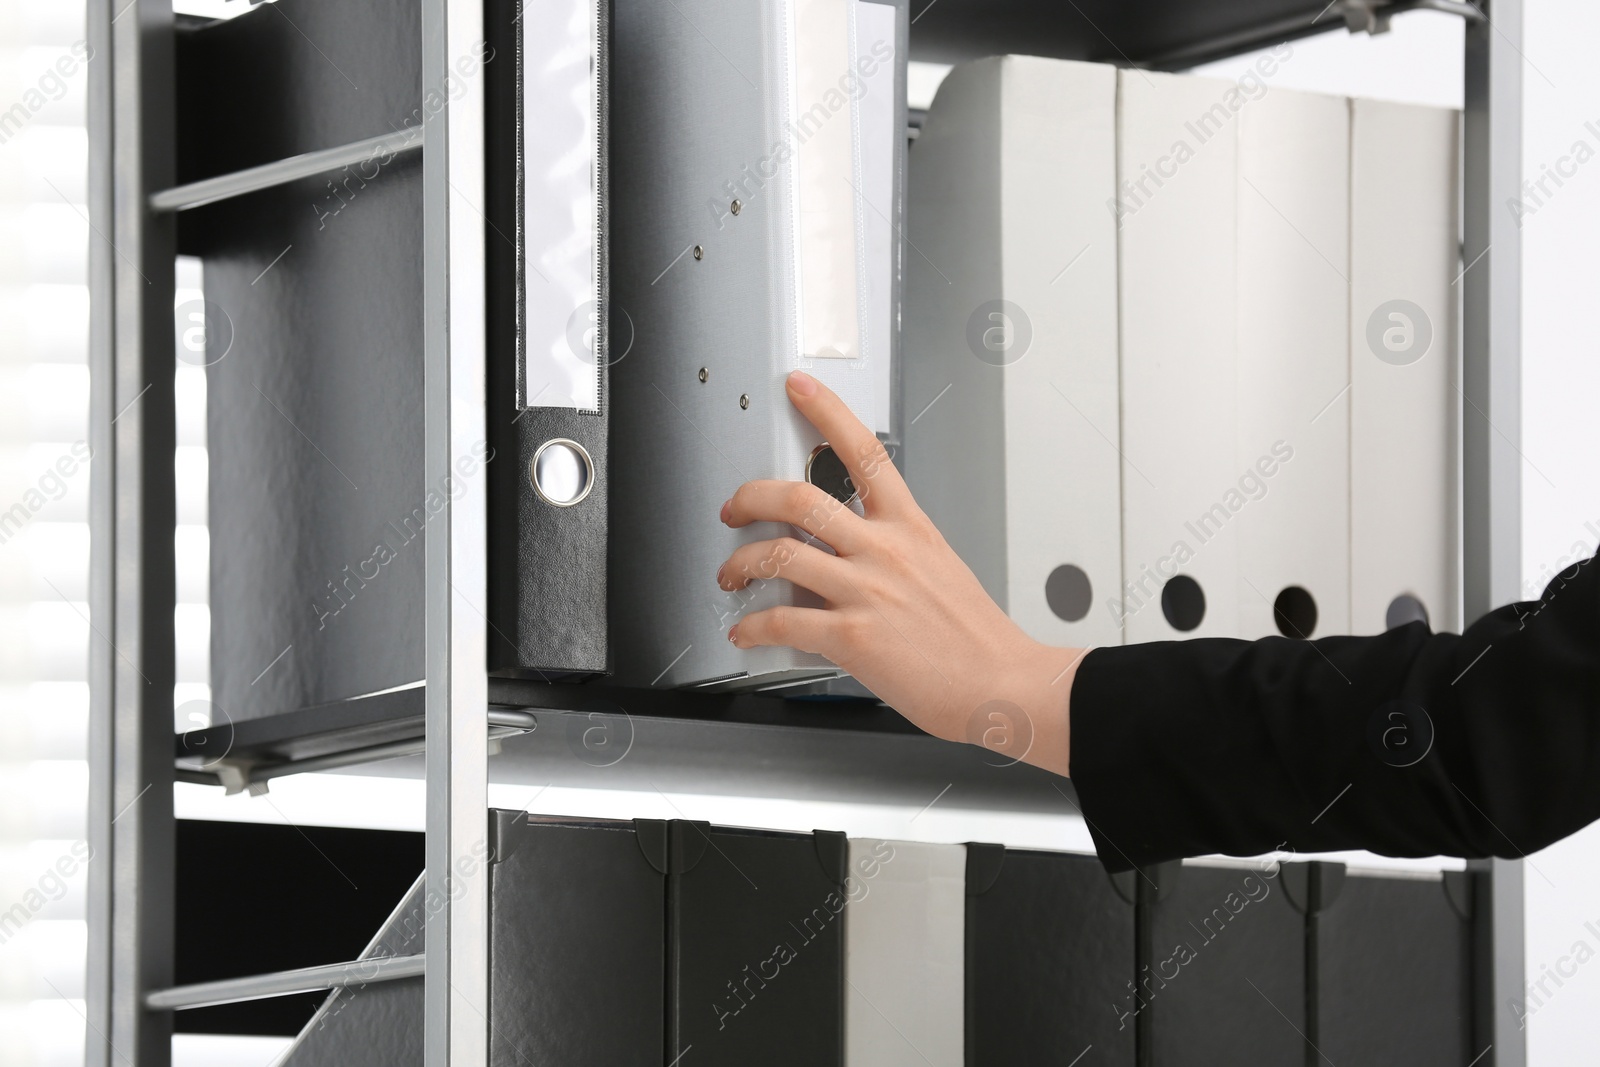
[132,432]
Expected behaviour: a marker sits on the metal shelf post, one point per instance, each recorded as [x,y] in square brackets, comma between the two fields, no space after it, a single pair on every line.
[132,514]
[457,698]
[1491,446]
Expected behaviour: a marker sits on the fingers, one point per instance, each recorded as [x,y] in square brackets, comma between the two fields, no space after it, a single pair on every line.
[882,489]
[805,565]
[800,504]
[806,629]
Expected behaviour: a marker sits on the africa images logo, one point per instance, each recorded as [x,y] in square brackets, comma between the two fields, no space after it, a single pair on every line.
[1399,332]
[999,332]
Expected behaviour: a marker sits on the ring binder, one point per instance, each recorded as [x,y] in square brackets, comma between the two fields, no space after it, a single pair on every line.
[757,177]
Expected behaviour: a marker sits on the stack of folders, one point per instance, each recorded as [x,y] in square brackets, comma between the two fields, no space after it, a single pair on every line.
[638,944]
[1181,352]
[757,166]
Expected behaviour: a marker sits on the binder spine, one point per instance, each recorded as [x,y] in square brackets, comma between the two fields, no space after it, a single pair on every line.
[548,509]
[713,123]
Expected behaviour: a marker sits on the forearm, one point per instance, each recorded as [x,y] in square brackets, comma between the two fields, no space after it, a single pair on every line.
[1407,743]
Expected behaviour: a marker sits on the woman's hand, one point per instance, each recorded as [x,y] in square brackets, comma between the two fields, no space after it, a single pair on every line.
[902,613]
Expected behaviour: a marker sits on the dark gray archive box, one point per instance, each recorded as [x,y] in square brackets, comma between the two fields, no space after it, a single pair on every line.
[314,412]
[1394,969]
[293,77]
[1050,957]
[599,957]
[319,503]
[577,955]
[1224,979]
[756,967]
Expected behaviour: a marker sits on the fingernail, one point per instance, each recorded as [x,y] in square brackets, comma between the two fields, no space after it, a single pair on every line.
[733,635]
[802,383]
[727,507]
[719,575]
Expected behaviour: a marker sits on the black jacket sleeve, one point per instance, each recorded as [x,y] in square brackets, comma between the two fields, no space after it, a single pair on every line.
[1406,744]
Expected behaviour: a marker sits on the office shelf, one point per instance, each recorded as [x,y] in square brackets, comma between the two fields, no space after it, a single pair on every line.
[753,744]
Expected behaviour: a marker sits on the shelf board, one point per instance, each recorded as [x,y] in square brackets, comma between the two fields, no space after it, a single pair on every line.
[1155,33]
[307,733]
[731,744]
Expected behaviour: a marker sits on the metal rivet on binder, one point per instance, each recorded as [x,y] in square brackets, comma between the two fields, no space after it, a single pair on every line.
[744,401]
[704,375]
[735,207]
[699,253]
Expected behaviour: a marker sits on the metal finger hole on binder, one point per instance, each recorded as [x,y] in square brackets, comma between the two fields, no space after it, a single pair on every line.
[562,472]
[826,471]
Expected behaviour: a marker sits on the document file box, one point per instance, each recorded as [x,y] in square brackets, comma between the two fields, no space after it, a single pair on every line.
[1279,383]
[577,955]
[757,176]
[1404,257]
[1011,338]
[756,956]
[1292,445]
[1049,959]
[1177,151]
[296,77]
[1226,979]
[313,387]
[314,442]
[549,333]
[627,944]
[577,941]
[1394,970]
[315,392]
[904,954]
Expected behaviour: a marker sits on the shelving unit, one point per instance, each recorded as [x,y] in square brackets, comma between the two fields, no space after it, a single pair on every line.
[748,744]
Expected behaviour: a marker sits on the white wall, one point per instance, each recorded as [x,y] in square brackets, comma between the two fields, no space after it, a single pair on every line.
[44,634]
[1561,483]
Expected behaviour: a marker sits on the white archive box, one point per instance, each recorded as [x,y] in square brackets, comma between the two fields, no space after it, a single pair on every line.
[1405,505]
[1177,157]
[1292,447]
[905,954]
[1010,374]
[1236,386]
